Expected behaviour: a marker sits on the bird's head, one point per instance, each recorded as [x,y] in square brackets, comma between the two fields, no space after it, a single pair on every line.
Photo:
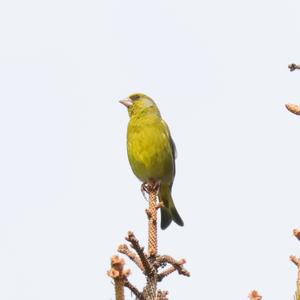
[139,103]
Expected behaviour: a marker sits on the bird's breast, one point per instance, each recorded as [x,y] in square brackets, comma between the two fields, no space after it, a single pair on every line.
[149,151]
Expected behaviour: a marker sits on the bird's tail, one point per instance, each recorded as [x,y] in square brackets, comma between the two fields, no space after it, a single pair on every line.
[168,211]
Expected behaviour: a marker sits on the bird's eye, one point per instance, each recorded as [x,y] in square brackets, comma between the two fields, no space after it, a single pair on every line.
[134,97]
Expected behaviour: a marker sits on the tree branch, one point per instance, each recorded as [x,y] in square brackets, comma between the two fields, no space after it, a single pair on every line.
[118,274]
[161,295]
[293,67]
[140,251]
[134,290]
[293,108]
[296,233]
[176,264]
[253,295]
[148,263]
[125,250]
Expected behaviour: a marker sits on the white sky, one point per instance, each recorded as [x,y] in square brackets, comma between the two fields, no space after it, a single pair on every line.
[218,71]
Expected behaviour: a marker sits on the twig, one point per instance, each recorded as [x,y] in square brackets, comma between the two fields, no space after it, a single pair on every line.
[168,271]
[133,289]
[140,251]
[161,295]
[254,295]
[293,67]
[296,261]
[165,273]
[125,250]
[293,108]
[178,265]
[118,274]
[296,233]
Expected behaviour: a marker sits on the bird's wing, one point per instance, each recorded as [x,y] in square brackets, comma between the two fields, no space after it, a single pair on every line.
[173,146]
[174,150]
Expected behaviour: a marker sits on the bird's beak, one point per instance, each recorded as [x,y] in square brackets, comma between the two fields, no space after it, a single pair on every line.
[127,102]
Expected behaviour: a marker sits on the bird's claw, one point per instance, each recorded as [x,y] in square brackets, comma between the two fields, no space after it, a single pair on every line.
[148,187]
[143,190]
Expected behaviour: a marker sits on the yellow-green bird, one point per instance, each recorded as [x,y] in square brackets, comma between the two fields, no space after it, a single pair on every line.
[151,151]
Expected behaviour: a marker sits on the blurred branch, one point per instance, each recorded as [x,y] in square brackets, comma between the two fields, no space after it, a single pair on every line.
[296,261]
[296,233]
[293,67]
[293,108]
[253,295]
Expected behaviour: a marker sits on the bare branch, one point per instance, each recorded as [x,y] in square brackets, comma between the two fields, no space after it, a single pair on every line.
[133,289]
[161,295]
[125,250]
[293,108]
[176,264]
[295,260]
[293,67]
[140,251]
[296,233]
[118,274]
[165,273]
[253,295]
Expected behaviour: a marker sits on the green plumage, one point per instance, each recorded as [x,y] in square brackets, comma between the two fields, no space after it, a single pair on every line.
[151,151]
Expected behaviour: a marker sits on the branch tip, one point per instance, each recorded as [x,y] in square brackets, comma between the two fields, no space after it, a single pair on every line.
[293,67]
[296,233]
[253,295]
[293,108]
[133,289]
[113,273]
[118,274]
[134,243]
[159,205]
[132,256]
[176,265]
[161,295]
[295,260]
[148,213]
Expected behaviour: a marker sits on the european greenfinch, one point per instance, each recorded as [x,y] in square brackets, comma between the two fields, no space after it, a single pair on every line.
[151,152]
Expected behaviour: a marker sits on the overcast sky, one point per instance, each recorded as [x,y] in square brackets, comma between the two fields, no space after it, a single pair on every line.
[218,72]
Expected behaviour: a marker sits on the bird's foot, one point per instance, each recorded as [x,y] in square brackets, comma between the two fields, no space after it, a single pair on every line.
[148,187]
[143,190]
[156,186]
